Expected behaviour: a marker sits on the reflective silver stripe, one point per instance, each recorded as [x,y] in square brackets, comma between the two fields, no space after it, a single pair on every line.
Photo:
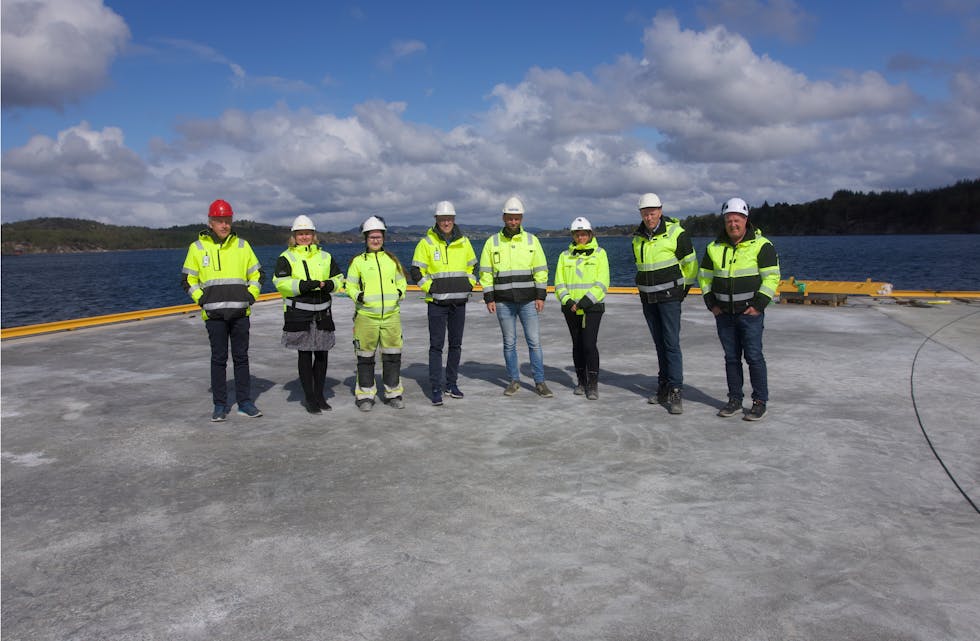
[450,296]
[771,293]
[768,271]
[738,273]
[649,267]
[235,304]
[429,240]
[585,286]
[421,264]
[252,270]
[194,288]
[486,269]
[734,298]
[224,281]
[449,274]
[391,350]
[471,262]
[309,307]
[189,271]
[514,272]
[516,284]
[661,287]
[423,280]
[488,288]
[241,243]
[539,268]
[198,244]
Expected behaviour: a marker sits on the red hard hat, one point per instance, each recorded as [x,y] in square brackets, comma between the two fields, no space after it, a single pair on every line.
[220,208]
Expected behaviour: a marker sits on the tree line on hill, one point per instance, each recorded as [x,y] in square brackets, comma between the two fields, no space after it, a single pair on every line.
[948,210]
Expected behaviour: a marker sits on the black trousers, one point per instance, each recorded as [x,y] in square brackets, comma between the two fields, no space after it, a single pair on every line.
[585,336]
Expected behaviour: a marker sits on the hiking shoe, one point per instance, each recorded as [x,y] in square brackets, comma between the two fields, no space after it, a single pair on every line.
[592,392]
[579,390]
[542,390]
[733,407]
[220,414]
[674,405]
[397,403]
[248,409]
[512,388]
[454,391]
[364,404]
[663,393]
[757,413]
[436,397]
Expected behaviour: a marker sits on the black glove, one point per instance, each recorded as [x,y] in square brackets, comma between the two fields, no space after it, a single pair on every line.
[306,286]
[327,286]
[584,303]
[360,298]
[567,305]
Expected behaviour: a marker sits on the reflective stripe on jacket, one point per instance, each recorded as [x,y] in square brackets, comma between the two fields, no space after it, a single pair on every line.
[582,274]
[734,277]
[666,265]
[378,278]
[444,270]
[513,269]
[223,278]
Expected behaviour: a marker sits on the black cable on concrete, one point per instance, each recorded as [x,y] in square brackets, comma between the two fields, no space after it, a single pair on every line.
[919,418]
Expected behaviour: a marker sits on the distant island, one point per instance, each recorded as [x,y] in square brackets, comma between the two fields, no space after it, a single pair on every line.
[947,210]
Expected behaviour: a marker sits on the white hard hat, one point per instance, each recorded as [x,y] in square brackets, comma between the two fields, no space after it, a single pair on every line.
[445,208]
[736,206]
[649,200]
[581,224]
[373,223]
[303,223]
[514,206]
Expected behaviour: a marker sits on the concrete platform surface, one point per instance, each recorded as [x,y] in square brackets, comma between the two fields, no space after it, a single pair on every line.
[127,515]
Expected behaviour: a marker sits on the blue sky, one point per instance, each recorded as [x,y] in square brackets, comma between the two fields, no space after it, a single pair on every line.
[143,111]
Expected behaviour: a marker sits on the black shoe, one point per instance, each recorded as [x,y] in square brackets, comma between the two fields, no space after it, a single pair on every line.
[312,407]
[757,413]
[674,405]
[323,404]
[733,407]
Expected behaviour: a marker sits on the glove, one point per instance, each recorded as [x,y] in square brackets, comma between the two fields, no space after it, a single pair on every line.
[308,286]
[327,287]
[360,298]
[585,303]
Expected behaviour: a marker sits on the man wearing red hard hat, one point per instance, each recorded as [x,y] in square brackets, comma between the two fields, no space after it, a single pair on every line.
[223,276]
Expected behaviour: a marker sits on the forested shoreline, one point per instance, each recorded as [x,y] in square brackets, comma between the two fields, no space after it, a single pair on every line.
[948,210]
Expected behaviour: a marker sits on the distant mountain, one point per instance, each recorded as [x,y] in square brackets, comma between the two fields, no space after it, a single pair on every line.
[948,210]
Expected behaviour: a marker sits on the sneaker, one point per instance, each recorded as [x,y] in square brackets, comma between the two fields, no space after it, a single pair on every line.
[437,397]
[757,413]
[674,405]
[248,409]
[542,390]
[397,403]
[220,414]
[454,391]
[733,407]
[512,388]
[364,404]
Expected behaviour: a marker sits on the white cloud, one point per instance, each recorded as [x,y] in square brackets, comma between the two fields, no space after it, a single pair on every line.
[699,118]
[55,52]
[398,50]
[784,19]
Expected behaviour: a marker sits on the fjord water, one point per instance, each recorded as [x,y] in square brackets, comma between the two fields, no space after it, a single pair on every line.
[40,288]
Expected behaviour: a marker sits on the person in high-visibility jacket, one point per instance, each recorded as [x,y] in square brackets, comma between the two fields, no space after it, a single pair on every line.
[222,274]
[581,283]
[514,276]
[305,276]
[443,266]
[376,282]
[666,269]
[739,277]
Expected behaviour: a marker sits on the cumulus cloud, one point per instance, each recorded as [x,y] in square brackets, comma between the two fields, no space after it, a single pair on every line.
[700,116]
[55,52]
[784,19]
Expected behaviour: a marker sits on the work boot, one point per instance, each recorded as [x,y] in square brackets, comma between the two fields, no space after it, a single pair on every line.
[397,403]
[580,387]
[512,388]
[674,405]
[592,386]
[364,404]
[757,413]
[733,407]
[660,397]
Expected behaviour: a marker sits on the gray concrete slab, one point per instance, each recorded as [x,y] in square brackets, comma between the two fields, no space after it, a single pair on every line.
[126,514]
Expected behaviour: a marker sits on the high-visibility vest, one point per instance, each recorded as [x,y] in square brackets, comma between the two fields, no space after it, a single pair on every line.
[382,283]
[306,262]
[662,275]
[446,268]
[223,278]
[734,277]
[513,269]
[582,273]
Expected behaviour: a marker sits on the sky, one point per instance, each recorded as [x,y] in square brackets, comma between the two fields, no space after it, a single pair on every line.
[141,112]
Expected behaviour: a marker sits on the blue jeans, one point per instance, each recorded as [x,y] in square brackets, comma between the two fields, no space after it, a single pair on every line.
[441,318]
[741,335]
[507,315]
[220,332]
[664,321]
